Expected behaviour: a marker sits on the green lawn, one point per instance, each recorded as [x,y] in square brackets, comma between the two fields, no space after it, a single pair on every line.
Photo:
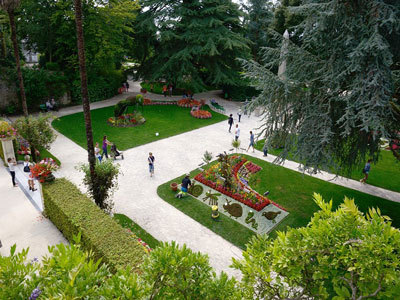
[167,120]
[126,222]
[288,188]
[385,173]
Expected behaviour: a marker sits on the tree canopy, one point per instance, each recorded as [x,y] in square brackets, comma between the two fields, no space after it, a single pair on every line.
[333,102]
[197,41]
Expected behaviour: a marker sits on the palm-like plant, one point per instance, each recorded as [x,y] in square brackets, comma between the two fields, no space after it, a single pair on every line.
[10,6]
[85,97]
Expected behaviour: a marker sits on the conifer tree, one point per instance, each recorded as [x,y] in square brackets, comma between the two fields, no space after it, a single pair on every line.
[333,104]
[199,41]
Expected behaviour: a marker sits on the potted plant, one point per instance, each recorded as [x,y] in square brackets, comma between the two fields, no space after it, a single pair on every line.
[174,186]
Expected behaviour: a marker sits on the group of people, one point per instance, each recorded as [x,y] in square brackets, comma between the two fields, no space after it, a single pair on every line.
[99,154]
[167,89]
[237,130]
[51,104]
[12,163]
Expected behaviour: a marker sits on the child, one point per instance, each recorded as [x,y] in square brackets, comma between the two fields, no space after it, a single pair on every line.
[27,168]
[366,169]
[11,165]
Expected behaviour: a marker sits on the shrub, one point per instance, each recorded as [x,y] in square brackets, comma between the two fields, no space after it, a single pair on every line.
[107,183]
[72,212]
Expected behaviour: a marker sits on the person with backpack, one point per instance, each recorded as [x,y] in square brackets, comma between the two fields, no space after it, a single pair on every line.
[230,122]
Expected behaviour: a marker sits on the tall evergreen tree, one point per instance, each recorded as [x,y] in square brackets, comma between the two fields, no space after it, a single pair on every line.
[199,41]
[259,17]
[333,104]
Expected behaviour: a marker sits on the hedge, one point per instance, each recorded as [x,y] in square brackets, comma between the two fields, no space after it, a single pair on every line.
[73,212]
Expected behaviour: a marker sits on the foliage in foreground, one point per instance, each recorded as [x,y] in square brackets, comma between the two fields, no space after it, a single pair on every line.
[340,252]
[169,272]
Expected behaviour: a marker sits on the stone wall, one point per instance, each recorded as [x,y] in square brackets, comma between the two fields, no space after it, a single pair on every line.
[8,94]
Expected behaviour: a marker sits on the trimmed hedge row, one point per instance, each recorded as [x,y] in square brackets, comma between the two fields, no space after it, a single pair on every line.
[73,212]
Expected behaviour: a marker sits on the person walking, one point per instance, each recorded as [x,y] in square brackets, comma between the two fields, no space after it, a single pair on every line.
[251,141]
[151,160]
[265,149]
[366,170]
[11,165]
[239,113]
[237,132]
[164,90]
[104,146]
[127,86]
[230,122]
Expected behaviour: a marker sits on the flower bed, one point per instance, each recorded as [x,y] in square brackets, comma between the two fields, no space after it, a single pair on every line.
[188,103]
[43,170]
[253,168]
[147,101]
[201,114]
[127,120]
[243,192]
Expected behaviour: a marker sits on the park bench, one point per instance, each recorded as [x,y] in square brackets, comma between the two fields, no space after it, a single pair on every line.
[43,107]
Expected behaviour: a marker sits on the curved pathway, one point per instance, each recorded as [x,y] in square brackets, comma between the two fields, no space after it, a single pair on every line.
[137,194]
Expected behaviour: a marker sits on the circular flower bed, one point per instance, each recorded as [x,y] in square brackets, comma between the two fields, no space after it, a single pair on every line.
[127,120]
[188,103]
[201,114]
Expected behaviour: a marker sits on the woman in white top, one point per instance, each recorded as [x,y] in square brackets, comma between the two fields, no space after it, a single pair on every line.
[27,169]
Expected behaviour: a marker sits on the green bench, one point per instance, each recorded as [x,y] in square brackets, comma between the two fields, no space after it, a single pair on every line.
[43,107]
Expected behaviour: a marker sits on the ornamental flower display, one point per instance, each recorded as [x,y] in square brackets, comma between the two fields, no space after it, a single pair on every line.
[43,170]
[201,114]
[127,120]
[6,130]
[188,103]
[240,189]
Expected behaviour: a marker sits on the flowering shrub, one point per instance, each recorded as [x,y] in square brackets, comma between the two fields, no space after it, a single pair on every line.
[253,168]
[188,103]
[201,114]
[127,120]
[6,130]
[43,169]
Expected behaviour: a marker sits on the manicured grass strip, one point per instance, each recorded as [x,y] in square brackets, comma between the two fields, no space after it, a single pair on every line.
[288,188]
[126,222]
[226,227]
[385,173]
[294,191]
[73,212]
[167,120]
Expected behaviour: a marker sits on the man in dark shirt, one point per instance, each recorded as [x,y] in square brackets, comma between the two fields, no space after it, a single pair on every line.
[186,183]
[230,122]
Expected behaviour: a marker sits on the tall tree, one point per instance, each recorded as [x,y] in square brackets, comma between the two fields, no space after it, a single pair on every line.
[333,104]
[259,18]
[85,94]
[199,41]
[10,6]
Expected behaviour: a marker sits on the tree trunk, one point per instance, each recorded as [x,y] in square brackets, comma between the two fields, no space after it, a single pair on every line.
[17,61]
[85,94]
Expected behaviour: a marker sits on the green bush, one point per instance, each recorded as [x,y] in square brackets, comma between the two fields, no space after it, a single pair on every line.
[100,86]
[72,212]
